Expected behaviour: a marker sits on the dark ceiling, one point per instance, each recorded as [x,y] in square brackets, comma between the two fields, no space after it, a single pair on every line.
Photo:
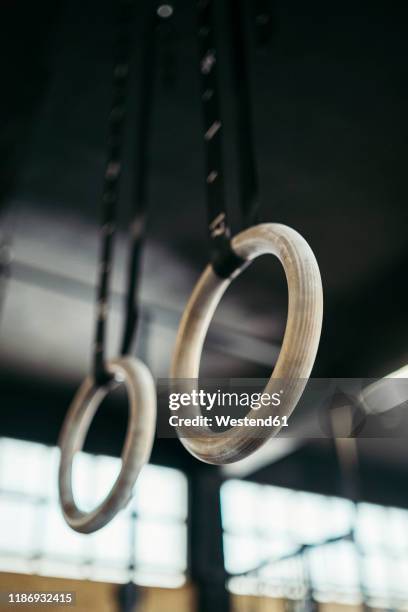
[329,95]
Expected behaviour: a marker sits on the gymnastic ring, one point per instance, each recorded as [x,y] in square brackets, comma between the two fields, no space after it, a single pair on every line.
[299,347]
[136,449]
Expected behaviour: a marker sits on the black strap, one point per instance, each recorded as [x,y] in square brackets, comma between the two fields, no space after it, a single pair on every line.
[141,173]
[110,194]
[248,179]
[224,261]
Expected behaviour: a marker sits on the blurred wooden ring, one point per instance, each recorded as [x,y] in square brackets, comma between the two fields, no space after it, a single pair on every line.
[137,447]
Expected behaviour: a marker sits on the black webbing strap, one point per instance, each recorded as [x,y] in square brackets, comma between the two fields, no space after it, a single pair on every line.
[248,179]
[141,173]
[110,194]
[224,261]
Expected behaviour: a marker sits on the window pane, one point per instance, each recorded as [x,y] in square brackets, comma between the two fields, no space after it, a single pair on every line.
[161,545]
[17,526]
[112,543]
[240,506]
[22,467]
[35,538]
[59,539]
[263,524]
[241,553]
[161,491]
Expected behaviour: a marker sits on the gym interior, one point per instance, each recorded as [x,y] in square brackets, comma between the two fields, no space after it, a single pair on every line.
[290,118]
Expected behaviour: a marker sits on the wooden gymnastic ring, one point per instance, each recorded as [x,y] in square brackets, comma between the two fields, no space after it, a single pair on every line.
[299,347]
[136,449]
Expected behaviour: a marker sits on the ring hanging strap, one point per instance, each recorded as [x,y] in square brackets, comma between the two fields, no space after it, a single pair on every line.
[248,179]
[138,223]
[224,261]
[110,195]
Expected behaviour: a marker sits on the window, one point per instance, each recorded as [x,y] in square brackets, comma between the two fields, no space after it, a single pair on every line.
[151,532]
[288,543]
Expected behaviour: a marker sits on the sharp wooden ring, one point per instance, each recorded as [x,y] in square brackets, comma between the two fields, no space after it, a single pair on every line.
[137,446]
[299,347]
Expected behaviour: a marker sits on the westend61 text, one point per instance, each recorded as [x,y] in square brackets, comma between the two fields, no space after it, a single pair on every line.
[227,421]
